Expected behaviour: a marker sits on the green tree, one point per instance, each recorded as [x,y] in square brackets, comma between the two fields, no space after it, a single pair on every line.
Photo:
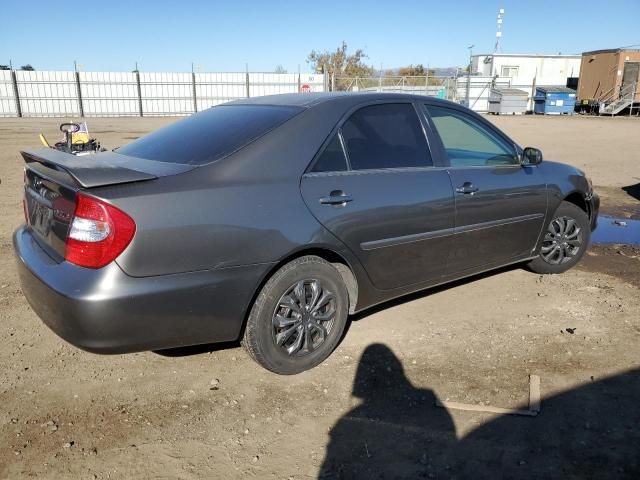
[27,67]
[5,67]
[340,62]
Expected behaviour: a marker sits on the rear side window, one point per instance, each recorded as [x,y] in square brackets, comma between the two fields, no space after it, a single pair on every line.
[385,136]
[332,159]
[209,135]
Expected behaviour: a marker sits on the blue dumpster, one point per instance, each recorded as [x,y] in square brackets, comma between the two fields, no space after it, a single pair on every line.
[554,100]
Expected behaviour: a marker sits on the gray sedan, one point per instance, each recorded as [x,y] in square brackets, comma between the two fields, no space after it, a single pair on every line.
[271,219]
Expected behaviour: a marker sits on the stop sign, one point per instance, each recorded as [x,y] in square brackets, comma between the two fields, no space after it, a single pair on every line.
[305,88]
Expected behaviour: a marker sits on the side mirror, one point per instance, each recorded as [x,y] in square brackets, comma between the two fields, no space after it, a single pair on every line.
[531,156]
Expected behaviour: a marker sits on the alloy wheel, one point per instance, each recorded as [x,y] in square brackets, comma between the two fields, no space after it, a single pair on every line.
[562,241]
[303,317]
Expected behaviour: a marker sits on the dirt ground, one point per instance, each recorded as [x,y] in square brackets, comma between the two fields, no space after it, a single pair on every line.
[369,410]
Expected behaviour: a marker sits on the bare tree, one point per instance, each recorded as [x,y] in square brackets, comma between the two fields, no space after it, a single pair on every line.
[279,69]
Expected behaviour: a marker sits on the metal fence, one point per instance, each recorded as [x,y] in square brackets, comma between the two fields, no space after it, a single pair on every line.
[115,94]
[111,94]
[452,88]
[435,86]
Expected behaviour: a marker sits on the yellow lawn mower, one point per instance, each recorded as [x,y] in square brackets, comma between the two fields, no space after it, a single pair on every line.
[76,140]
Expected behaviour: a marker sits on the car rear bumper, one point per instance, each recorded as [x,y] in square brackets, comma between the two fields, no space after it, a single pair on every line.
[107,311]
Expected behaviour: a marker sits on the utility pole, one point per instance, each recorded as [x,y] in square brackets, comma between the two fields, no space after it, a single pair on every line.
[470,47]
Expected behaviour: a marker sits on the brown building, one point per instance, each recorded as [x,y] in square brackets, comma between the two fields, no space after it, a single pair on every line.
[608,75]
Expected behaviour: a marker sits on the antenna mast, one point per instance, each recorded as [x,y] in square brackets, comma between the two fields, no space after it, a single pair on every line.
[496,48]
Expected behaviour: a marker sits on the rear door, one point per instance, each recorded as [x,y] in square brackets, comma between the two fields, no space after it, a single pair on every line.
[374,185]
[500,204]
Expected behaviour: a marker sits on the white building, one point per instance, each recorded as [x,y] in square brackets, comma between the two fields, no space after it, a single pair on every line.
[522,69]
[516,71]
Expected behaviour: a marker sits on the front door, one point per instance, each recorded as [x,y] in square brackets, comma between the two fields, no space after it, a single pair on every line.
[500,204]
[630,79]
[375,187]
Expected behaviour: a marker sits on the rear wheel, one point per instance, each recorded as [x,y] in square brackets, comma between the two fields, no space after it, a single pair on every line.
[565,240]
[298,316]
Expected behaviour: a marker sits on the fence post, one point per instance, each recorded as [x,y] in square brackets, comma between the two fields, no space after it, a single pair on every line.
[247,83]
[299,84]
[80,106]
[533,93]
[16,94]
[332,86]
[139,93]
[193,86]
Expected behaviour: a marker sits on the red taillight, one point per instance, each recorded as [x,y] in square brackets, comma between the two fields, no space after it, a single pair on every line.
[99,233]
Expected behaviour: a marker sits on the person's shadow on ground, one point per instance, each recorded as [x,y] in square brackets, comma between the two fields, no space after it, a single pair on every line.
[398,432]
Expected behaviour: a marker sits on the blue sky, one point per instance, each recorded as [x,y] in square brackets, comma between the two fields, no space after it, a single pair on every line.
[225,35]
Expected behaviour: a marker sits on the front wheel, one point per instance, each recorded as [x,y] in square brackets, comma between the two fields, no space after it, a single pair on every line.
[565,240]
[298,317]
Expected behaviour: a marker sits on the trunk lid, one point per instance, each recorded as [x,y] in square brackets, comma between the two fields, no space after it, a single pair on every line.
[52,179]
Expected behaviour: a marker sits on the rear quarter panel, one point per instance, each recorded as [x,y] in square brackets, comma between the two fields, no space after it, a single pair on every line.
[243,209]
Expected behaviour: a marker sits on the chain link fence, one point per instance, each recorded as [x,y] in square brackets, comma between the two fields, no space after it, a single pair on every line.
[453,88]
[434,86]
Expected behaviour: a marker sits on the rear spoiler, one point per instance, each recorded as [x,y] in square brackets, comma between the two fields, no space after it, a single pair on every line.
[89,170]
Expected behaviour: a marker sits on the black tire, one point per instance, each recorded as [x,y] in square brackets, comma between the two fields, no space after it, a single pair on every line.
[565,244]
[261,335]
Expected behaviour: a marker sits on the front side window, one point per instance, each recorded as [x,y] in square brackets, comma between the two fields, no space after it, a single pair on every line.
[385,136]
[467,142]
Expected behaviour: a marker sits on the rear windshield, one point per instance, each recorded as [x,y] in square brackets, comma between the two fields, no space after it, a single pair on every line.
[209,135]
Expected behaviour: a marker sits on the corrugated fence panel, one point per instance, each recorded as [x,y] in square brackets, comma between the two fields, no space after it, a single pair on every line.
[272,83]
[166,93]
[48,94]
[7,97]
[311,82]
[216,88]
[109,94]
[479,90]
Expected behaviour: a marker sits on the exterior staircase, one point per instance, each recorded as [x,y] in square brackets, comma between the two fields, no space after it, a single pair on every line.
[613,106]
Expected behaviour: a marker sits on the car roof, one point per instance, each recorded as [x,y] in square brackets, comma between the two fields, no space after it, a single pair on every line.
[346,99]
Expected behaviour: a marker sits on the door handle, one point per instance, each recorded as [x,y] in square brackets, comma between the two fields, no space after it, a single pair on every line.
[336,198]
[467,188]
